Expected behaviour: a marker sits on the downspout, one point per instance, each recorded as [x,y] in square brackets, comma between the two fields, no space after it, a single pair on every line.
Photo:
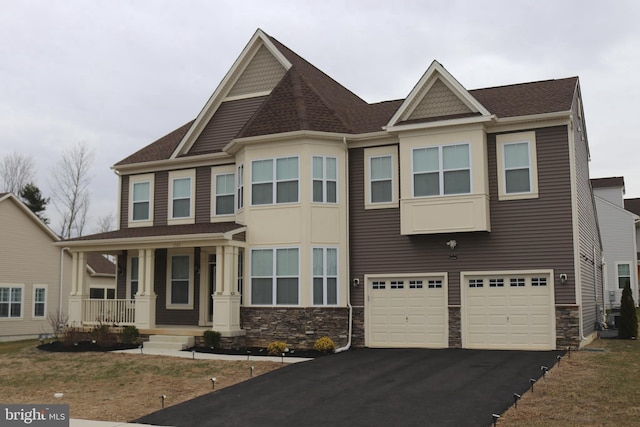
[346,169]
[61,278]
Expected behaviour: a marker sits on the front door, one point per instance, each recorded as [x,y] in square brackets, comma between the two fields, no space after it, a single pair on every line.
[212,283]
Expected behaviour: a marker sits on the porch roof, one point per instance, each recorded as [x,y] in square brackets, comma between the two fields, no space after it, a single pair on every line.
[159,235]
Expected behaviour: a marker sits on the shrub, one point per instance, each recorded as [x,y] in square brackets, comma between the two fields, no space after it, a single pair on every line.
[277,347]
[71,336]
[102,335]
[129,334]
[628,323]
[324,345]
[212,339]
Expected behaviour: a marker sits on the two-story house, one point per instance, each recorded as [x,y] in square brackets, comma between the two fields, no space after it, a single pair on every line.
[290,209]
[618,230]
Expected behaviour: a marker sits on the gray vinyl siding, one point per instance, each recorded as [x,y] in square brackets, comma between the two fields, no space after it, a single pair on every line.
[525,234]
[590,268]
[161,198]
[225,124]
[203,194]
[124,202]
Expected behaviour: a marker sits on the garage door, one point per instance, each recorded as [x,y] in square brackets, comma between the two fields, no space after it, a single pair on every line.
[407,312]
[508,311]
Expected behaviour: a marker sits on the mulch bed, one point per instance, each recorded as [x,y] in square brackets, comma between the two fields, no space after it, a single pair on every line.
[83,346]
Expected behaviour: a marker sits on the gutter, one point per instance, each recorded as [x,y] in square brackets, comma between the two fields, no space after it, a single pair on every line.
[346,168]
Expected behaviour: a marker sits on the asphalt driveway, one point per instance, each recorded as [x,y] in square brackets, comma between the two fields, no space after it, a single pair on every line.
[370,387]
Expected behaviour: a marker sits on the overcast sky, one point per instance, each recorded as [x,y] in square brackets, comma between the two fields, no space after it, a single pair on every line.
[117,75]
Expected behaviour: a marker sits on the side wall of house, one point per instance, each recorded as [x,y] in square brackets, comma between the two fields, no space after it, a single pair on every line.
[525,234]
[25,243]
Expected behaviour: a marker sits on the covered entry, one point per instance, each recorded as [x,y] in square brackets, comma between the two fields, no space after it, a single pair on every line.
[407,311]
[508,310]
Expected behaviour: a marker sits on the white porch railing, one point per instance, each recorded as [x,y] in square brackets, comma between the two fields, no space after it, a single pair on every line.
[119,312]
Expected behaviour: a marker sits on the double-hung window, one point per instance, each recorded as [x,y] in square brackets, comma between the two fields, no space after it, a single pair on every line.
[141,201]
[225,189]
[624,275]
[325,179]
[381,179]
[517,166]
[274,181]
[39,301]
[325,276]
[441,170]
[181,197]
[275,276]
[10,302]
[180,281]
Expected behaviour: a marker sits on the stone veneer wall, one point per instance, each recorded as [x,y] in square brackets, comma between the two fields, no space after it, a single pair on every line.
[357,330]
[298,327]
[567,327]
[455,328]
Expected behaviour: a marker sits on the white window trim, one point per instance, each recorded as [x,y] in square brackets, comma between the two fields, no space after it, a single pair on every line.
[325,180]
[33,305]
[369,153]
[190,173]
[629,263]
[129,270]
[215,173]
[514,138]
[240,196]
[14,285]
[274,277]
[325,276]
[274,182]
[136,179]
[441,170]
[169,304]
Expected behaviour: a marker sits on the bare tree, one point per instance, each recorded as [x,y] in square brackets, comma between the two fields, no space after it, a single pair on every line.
[16,171]
[105,223]
[71,181]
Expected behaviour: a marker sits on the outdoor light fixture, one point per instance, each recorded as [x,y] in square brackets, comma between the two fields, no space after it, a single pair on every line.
[356,282]
[495,418]
[516,397]
[558,358]
[248,354]
[162,398]
[563,279]
[213,383]
[193,354]
[532,381]
[544,370]
[58,395]
[140,347]
[251,371]
[452,244]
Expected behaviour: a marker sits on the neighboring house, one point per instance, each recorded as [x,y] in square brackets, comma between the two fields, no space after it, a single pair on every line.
[633,205]
[291,209]
[618,230]
[102,277]
[35,275]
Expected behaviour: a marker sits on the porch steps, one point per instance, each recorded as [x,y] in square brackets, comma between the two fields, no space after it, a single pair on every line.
[169,342]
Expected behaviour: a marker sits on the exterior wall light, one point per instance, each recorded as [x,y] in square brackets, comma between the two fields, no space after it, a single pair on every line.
[563,279]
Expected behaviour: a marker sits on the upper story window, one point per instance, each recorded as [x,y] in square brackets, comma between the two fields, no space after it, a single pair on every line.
[225,193]
[240,187]
[381,177]
[181,196]
[517,166]
[274,181]
[141,200]
[441,170]
[325,179]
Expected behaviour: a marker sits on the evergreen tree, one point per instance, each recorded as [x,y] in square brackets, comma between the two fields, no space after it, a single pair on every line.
[31,196]
[628,323]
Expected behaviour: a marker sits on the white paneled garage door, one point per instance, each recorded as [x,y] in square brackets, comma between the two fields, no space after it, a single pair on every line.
[407,312]
[512,310]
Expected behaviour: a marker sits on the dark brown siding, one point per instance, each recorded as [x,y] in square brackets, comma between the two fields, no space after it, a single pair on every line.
[161,198]
[124,202]
[173,317]
[203,194]
[525,234]
[225,125]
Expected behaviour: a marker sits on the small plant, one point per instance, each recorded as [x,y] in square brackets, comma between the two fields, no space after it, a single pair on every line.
[212,339]
[129,334]
[57,320]
[277,347]
[71,336]
[101,334]
[324,345]
[628,323]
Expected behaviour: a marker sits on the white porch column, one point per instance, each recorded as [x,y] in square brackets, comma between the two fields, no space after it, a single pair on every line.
[75,297]
[146,297]
[226,301]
